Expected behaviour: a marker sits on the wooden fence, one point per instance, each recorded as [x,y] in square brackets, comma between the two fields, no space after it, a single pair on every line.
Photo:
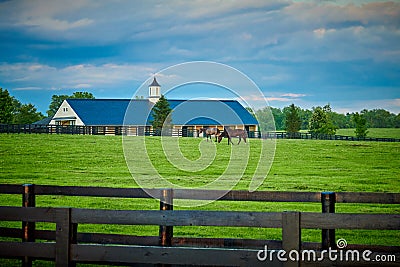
[143,131]
[100,130]
[285,135]
[66,246]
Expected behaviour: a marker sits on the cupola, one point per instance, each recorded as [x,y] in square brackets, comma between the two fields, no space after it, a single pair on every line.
[154,91]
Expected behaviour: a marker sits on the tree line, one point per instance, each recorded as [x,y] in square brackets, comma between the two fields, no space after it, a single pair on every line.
[323,120]
[12,111]
[291,118]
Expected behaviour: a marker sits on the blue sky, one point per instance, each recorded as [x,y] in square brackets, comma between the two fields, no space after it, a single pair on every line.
[346,53]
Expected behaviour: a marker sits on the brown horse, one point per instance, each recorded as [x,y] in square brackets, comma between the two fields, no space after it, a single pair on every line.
[210,131]
[229,133]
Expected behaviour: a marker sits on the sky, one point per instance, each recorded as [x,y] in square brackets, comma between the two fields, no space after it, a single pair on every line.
[310,53]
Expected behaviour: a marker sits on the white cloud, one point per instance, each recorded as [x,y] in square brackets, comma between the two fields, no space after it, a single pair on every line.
[253,98]
[230,29]
[321,32]
[293,95]
[105,74]
[281,44]
[179,52]
[278,96]
[45,14]
[56,24]
[76,76]
[83,85]
[31,88]
[201,8]
[279,99]
[367,14]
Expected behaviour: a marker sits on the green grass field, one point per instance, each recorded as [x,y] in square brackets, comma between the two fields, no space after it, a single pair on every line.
[299,165]
[374,132]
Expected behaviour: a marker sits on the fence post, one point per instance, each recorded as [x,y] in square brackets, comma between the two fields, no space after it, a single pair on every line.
[65,235]
[291,235]
[166,232]
[73,239]
[328,200]
[28,228]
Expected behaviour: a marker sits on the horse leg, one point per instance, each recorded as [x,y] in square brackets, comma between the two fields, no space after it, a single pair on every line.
[230,140]
[240,139]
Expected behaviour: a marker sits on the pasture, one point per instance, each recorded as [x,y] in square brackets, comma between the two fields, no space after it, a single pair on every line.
[374,132]
[299,165]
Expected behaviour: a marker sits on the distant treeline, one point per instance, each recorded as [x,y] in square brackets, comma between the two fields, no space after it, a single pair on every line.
[376,118]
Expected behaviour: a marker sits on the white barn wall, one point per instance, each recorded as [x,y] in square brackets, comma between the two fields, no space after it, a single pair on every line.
[65,111]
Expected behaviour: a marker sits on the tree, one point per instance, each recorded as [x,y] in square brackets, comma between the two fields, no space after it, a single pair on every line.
[162,121]
[6,107]
[361,125]
[397,121]
[56,101]
[305,116]
[26,114]
[292,119]
[341,121]
[376,118]
[379,118]
[269,119]
[321,121]
[279,118]
[12,111]
[82,95]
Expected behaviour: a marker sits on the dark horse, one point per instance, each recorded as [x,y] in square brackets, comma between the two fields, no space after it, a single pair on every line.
[229,133]
[210,131]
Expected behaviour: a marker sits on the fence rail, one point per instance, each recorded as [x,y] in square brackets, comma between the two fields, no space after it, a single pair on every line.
[196,194]
[68,246]
[308,135]
[101,130]
[143,131]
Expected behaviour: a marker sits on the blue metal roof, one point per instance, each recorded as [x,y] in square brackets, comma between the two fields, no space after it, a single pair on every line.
[100,111]
[210,112]
[138,112]
[44,121]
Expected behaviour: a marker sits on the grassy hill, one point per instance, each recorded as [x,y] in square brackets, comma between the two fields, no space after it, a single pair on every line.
[305,165]
[299,165]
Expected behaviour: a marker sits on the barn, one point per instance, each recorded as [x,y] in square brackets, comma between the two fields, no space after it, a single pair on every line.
[188,116]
